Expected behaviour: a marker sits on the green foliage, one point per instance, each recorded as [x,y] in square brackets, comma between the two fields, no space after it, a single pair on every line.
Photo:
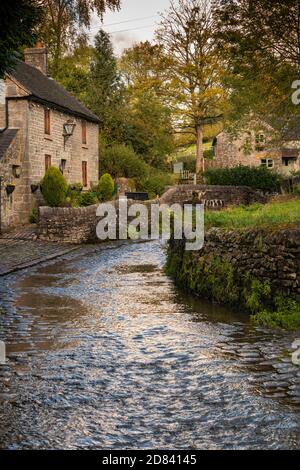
[149,129]
[258,294]
[255,38]
[217,279]
[54,187]
[256,215]
[74,193]
[17,22]
[34,216]
[254,177]
[105,188]
[296,190]
[106,91]
[63,22]
[286,315]
[155,184]
[73,72]
[88,198]
[120,160]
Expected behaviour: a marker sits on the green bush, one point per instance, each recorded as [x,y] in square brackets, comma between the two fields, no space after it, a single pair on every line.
[120,160]
[255,177]
[155,184]
[296,190]
[88,198]
[54,187]
[285,315]
[34,216]
[105,188]
[189,162]
[74,194]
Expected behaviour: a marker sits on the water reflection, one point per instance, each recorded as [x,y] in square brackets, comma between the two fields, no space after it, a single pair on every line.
[105,352]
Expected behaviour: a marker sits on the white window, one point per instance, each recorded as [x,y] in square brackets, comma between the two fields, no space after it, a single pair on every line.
[268,162]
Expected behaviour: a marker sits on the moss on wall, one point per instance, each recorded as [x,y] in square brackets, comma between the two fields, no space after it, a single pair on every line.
[219,279]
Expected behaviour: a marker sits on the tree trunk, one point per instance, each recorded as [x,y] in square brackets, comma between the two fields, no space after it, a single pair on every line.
[199,151]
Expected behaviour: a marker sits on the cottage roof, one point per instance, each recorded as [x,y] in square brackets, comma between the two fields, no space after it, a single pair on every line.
[6,138]
[46,90]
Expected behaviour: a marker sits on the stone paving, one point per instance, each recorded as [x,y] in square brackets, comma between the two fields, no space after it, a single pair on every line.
[21,249]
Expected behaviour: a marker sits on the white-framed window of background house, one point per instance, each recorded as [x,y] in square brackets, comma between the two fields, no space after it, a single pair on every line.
[268,162]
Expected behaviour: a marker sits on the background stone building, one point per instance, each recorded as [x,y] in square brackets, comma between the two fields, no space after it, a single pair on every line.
[36,116]
[259,148]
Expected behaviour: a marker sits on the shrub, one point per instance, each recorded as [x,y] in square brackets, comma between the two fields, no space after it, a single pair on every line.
[296,190]
[155,184]
[121,161]
[105,188]
[88,198]
[189,162]
[254,177]
[54,187]
[34,216]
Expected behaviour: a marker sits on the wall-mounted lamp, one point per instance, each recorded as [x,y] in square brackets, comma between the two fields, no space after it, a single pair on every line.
[16,170]
[69,127]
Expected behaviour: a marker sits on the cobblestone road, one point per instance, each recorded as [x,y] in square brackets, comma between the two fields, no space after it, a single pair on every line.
[19,250]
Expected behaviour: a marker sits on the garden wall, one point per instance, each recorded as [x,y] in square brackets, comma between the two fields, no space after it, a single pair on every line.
[67,224]
[72,225]
[231,261]
[213,197]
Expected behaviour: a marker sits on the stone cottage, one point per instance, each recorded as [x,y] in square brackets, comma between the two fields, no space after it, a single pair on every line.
[41,125]
[260,147]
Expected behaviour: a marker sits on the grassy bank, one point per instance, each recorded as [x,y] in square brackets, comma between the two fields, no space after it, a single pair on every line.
[272,214]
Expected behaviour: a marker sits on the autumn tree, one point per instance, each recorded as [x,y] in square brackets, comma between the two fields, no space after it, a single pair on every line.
[64,22]
[74,72]
[193,87]
[149,122]
[18,19]
[261,43]
[143,67]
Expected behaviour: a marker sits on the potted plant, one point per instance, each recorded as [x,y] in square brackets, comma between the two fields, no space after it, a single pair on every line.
[34,188]
[10,187]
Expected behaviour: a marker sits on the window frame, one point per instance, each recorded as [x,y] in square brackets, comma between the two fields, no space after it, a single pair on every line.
[47,121]
[47,162]
[84,132]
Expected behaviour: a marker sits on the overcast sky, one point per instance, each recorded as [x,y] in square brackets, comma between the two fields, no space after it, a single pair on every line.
[133,23]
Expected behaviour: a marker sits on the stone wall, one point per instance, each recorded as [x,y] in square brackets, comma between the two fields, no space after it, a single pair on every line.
[77,225]
[13,206]
[213,197]
[68,225]
[261,254]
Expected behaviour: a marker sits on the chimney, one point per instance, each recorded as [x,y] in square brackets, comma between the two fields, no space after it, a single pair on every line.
[37,57]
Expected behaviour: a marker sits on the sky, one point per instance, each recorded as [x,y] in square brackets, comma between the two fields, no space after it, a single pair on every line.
[136,21]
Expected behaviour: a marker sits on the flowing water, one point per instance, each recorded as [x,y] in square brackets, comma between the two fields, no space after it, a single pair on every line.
[104,352]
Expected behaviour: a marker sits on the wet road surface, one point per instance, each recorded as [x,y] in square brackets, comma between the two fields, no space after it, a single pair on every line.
[104,352]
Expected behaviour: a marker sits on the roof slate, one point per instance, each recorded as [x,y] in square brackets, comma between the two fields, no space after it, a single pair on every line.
[45,89]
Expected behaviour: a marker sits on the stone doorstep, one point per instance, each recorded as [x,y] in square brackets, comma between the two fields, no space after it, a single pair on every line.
[34,262]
